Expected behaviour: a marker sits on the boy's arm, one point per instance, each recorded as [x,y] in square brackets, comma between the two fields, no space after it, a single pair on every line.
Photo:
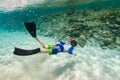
[74,54]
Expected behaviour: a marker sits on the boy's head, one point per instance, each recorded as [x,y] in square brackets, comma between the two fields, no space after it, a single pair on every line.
[73,42]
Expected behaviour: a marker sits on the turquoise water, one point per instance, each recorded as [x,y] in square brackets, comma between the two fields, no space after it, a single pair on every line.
[91,63]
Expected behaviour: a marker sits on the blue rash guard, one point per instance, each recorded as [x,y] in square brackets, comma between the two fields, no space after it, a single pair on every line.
[62,47]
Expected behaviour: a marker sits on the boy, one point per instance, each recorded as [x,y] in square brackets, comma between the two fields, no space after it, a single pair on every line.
[59,47]
[51,49]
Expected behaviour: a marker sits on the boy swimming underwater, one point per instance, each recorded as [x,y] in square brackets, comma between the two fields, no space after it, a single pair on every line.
[51,49]
[59,47]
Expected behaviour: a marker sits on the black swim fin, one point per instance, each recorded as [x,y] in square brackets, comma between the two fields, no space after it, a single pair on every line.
[22,52]
[31,28]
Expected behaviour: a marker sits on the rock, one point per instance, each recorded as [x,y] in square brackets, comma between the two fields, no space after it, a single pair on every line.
[76,33]
[81,42]
[117,41]
[71,21]
[85,13]
[69,29]
[118,19]
[108,41]
[107,22]
[82,37]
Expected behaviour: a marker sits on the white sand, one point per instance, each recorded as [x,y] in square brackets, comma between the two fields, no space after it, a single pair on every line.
[91,63]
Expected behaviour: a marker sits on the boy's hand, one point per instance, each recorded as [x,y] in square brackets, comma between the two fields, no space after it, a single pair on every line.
[74,54]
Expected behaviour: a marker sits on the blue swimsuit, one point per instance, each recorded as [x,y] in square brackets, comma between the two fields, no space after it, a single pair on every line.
[60,48]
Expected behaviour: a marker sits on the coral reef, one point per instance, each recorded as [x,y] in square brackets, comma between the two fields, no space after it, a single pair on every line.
[102,25]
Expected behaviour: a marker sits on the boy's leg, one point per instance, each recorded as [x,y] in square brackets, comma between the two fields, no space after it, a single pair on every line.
[48,48]
[45,51]
[42,43]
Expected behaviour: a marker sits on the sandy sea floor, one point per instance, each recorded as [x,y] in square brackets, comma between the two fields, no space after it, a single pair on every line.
[91,62]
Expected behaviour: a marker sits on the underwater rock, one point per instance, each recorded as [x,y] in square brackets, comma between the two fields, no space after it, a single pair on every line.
[76,34]
[82,40]
[82,37]
[118,19]
[117,41]
[70,11]
[112,46]
[107,22]
[108,41]
[69,30]
[111,17]
[85,13]
[71,21]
